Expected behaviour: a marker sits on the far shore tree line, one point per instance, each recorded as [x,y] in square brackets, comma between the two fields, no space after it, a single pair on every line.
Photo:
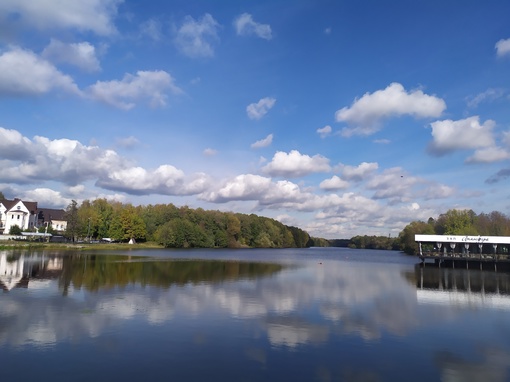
[453,222]
[178,227]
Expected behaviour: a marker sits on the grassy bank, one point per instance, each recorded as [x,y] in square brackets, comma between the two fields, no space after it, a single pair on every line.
[16,245]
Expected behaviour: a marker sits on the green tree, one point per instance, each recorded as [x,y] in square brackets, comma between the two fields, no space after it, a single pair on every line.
[456,222]
[73,223]
[407,239]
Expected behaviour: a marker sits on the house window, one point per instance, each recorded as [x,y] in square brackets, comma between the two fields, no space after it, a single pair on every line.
[18,217]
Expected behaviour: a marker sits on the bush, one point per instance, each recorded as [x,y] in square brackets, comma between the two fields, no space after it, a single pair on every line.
[15,230]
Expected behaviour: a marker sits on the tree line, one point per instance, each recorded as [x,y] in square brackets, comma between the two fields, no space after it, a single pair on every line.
[178,227]
[455,222]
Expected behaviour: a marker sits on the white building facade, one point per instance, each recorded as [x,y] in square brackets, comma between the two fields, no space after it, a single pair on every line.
[16,212]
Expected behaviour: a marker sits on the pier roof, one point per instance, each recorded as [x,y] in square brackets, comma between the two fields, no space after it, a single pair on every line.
[471,239]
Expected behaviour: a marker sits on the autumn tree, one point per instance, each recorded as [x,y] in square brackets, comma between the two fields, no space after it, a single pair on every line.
[127,224]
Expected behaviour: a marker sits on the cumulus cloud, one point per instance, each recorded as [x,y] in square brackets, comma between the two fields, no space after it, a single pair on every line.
[295,164]
[259,109]
[195,37]
[489,155]
[72,163]
[245,26]
[13,145]
[365,114]
[22,72]
[242,187]
[123,94]
[84,15]
[164,180]
[82,54]
[249,187]
[63,160]
[357,173]
[449,136]
[503,47]
[324,131]
[437,191]
[393,184]
[46,197]
[334,183]
[263,142]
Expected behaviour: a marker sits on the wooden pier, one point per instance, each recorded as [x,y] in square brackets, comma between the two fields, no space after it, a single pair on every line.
[469,252]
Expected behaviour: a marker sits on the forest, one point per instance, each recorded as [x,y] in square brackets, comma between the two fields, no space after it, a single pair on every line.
[179,227]
[184,227]
[453,222]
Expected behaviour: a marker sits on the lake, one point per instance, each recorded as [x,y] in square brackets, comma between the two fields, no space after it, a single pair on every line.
[317,314]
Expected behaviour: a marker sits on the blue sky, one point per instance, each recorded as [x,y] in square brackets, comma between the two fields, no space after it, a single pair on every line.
[340,117]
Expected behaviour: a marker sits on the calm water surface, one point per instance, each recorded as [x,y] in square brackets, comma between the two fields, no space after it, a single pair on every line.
[324,314]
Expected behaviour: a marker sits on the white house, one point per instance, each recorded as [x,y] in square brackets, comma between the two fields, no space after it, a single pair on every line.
[53,218]
[17,212]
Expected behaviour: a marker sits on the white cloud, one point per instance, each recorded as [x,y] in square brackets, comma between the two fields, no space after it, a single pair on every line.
[84,15]
[334,183]
[437,191]
[82,54]
[79,189]
[382,141]
[127,142]
[366,113]
[393,184]
[357,173]
[249,187]
[506,138]
[324,131]
[144,85]
[152,29]
[194,38]
[24,73]
[295,164]
[263,142]
[64,160]
[488,95]
[503,47]
[210,152]
[46,197]
[245,26]
[70,162]
[463,134]
[242,187]
[13,145]
[328,30]
[489,155]
[259,109]
[164,180]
